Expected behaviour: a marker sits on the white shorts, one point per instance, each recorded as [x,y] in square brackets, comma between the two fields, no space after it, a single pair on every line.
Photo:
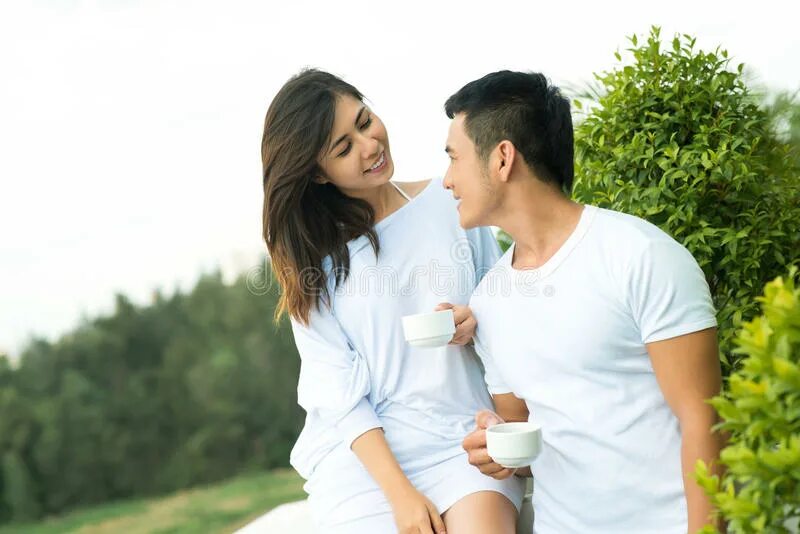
[357,505]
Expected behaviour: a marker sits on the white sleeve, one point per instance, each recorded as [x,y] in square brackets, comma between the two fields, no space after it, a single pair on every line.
[491,375]
[485,253]
[334,378]
[485,250]
[668,293]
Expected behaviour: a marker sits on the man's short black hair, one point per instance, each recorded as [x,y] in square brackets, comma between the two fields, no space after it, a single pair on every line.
[525,109]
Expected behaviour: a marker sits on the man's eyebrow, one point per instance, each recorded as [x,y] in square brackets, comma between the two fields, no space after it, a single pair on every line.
[342,138]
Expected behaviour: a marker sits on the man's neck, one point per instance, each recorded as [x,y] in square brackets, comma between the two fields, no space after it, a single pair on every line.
[539,219]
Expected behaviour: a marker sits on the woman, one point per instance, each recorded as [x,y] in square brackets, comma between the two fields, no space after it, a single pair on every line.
[354,252]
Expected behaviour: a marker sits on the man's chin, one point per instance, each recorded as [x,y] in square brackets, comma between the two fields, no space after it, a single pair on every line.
[466,222]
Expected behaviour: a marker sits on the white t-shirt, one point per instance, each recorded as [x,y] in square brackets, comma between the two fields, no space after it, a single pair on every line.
[569,338]
[357,372]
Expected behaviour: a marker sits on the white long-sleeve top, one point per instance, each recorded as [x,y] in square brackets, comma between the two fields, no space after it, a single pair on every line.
[357,371]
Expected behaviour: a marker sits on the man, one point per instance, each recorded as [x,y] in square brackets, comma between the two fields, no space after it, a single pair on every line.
[595,324]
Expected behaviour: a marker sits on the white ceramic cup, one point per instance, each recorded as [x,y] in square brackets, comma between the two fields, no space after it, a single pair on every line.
[514,445]
[433,329]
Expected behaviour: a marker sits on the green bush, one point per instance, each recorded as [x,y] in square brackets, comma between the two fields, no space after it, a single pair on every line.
[760,491]
[676,138]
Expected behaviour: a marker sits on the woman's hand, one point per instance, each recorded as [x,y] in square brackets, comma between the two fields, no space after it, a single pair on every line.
[465,322]
[414,513]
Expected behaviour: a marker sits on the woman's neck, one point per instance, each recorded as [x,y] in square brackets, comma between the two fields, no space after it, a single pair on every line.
[387,200]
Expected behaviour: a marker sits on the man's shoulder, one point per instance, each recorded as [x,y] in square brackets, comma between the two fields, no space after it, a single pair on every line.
[627,231]
[628,244]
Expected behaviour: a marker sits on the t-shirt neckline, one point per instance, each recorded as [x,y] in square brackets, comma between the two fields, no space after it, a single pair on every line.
[386,221]
[587,215]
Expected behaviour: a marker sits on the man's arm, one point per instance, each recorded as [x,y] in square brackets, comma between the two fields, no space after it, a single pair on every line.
[510,408]
[688,372]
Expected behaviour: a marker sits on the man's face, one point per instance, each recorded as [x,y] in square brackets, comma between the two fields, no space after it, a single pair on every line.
[468,178]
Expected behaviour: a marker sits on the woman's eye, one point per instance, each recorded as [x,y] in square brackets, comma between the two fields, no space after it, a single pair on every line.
[364,126]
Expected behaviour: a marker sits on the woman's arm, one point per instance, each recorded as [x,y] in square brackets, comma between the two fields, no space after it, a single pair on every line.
[413,511]
[334,388]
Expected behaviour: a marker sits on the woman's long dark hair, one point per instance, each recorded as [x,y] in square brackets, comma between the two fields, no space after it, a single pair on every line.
[304,221]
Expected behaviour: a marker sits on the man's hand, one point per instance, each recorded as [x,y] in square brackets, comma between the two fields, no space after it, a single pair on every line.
[475,445]
[465,322]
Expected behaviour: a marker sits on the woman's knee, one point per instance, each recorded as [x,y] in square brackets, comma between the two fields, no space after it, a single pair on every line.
[482,512]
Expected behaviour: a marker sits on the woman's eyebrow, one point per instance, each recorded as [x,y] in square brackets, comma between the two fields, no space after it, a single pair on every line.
[358,119]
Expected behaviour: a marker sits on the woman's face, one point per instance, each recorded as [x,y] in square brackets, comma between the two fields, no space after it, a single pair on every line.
[357,156]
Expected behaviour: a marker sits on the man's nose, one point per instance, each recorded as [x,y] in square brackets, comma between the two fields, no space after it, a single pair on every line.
[447,182]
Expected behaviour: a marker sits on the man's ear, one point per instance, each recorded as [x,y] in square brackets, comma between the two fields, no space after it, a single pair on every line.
[505,154]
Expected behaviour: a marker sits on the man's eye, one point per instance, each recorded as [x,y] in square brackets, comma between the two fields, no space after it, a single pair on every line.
[366,124]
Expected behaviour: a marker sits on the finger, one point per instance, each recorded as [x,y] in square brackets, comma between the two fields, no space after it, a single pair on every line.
[461,314]
[436,521]
[479,457]
[491,469]
[486,418]
[443,306]
[464,332]
[463,318]
[475,440]
[504,474]
[425,526]
[460,338]
[469,325]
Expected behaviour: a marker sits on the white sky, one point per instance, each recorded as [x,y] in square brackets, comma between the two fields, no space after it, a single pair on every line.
[130,130]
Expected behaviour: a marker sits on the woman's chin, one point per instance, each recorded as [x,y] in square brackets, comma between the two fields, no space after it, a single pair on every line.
[381,177]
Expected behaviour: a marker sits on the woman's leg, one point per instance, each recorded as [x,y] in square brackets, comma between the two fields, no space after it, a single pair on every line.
[482,512]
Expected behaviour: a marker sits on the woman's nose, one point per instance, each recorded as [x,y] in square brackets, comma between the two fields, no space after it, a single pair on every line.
[370,147]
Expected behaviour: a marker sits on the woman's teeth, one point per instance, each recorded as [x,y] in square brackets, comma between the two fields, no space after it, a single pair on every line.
[379,162]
